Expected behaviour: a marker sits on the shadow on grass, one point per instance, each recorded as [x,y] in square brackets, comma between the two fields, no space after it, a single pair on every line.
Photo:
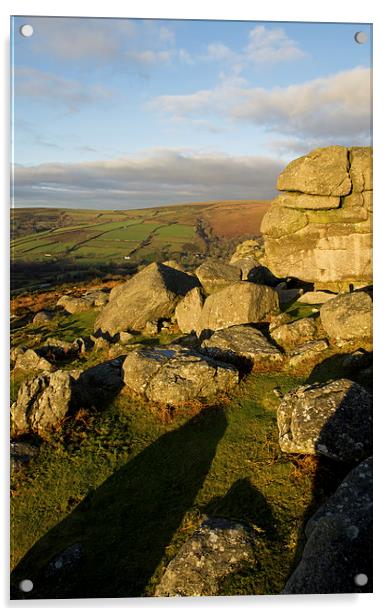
[117,536]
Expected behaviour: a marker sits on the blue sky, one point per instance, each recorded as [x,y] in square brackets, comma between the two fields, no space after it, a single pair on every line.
[134,113]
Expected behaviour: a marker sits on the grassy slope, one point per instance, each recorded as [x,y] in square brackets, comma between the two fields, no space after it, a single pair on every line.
[132,483]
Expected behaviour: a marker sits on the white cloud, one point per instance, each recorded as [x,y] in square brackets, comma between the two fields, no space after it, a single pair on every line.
[271,45]
[329,108]
[166,34]
[149,56]
[33,83]
[156,177]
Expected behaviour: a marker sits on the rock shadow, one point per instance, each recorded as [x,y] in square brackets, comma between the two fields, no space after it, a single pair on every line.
[113,541]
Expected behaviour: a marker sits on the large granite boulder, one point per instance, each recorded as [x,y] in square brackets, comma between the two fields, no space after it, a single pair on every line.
[320,228]
[174,375]
[220,547]
[238,304]
[150,295]
[348,317]
[43,402]
[243,344]
[188,311]
[337,556]
[303,357]
[333,419]
[214,275]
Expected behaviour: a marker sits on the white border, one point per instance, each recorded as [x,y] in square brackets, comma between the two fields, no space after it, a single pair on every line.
[296,10]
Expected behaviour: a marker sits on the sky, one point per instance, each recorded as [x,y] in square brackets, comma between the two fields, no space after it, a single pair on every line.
[128,113]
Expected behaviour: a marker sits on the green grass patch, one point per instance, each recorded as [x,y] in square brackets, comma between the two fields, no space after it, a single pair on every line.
[131,485]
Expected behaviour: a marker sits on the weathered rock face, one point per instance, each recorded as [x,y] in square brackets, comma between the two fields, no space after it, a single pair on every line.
[188,311]
[348,317]
[339,540]
[334,419]
[215,275]
[150,295]
[290,335]
[30,361]
[248,258]
[220,547]
[320,228]
[303,357]
[243,343]
[43,402]
[174,375]
[315,297]
[239,304]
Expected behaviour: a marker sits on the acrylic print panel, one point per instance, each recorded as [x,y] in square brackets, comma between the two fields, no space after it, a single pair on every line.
[190,308]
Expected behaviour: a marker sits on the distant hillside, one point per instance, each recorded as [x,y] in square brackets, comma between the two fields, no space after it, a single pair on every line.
[52,244]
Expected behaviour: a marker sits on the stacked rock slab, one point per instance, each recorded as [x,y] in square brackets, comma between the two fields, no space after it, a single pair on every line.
[319,229]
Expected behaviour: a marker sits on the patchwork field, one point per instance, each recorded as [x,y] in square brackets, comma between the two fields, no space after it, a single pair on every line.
[45,243]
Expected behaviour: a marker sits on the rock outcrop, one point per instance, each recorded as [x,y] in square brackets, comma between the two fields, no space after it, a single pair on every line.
[242,344]
[188,311]
[220,547]
[337,557]
[174,375]
[150,295]
[238,304]
[333,419]
[320,228]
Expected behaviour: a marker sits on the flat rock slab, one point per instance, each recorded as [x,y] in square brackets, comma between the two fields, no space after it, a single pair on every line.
[333,419]
[315,297]
[349,316]
[239,304]
[220,547]
[173,375]
[243,342]
[339,540]
[303,356]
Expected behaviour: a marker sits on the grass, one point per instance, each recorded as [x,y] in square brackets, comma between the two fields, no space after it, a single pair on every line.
[131,484]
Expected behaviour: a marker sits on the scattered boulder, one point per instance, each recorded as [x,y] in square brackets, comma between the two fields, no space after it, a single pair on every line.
[126,337]
[214,275]
[220,547]
[98,298]
[333,419]
[30,361]
[43,402]
[243,344]
[348,317]
[188,311]
[304,356]
[42,317]
[320,228]
[290,335]
[151,294]
[174,375]
[339,540]
[315,297]
[75,304]
[151,328]
[238,304]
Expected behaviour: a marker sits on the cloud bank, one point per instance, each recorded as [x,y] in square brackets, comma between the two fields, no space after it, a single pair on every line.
[158,177]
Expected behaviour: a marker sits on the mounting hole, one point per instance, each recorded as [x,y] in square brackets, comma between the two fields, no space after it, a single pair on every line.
[26,585]
[360,37]
[26,30]
[361,579]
